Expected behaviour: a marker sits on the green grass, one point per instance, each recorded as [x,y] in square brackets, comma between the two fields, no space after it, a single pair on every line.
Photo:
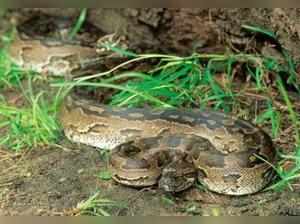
[97,206]
[10,74]
[78,24]
[174,82]
[105,173]
[272,115]
[180,81]
[286,176]
[32,125]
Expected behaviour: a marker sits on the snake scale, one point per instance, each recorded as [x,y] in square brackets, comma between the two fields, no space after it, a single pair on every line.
[172,148]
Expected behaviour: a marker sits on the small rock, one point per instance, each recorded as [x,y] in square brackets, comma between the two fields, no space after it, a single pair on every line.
[63,179]
[80,171]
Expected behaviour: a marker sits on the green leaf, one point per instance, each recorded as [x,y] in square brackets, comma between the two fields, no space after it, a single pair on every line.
[78,23]
[105,175]
[261,30]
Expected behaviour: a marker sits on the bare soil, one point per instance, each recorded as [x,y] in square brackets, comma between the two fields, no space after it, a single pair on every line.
[53,181]
[184,30]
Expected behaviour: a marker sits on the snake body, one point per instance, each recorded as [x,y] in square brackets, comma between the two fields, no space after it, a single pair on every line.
[226,154]
[173,148]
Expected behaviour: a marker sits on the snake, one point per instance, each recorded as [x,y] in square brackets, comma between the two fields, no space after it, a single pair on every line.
[171,148]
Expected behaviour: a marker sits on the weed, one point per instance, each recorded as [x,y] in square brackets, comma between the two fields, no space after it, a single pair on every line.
[78,24]
[168,200]
[30,126]
[292,114]
[191,209]
[105,175]
[10,74]
[289,175]
[96,206]
[272,115]
[257,29]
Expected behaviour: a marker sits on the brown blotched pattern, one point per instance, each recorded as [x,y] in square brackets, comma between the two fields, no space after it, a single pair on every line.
[227,153]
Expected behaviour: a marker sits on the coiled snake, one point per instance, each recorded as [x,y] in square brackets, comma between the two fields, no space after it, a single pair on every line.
[170,147]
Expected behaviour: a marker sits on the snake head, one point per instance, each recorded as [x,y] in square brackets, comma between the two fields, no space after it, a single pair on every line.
[135,163]
[177,176]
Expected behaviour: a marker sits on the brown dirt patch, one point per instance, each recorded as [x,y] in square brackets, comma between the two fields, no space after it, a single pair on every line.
[53,181]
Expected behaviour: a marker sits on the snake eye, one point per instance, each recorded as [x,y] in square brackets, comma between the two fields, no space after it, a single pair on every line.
[201,173]
[255,159]
[269,174]
[129,149]
[163,158]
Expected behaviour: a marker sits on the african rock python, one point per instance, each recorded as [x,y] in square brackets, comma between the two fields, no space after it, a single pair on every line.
[168,147]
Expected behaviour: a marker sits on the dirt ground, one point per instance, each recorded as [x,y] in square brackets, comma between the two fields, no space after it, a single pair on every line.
[184,30]
[54,179]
